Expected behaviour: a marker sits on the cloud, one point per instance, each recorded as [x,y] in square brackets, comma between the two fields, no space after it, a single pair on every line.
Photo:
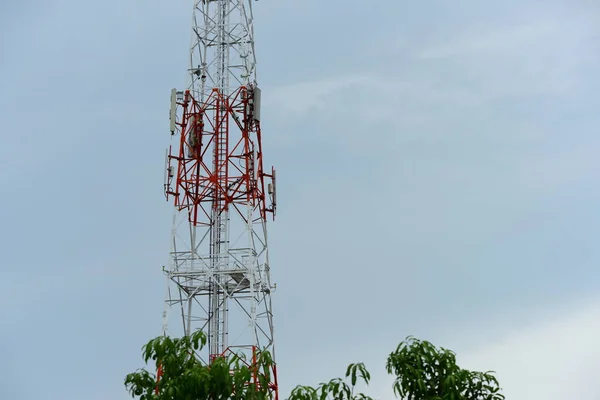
[554,358]
[543,53]
[300,97]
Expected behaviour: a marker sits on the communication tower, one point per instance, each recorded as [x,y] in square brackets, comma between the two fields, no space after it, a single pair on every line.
[218,272]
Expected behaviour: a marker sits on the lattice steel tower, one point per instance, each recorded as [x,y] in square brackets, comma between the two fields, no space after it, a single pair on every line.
[218,273]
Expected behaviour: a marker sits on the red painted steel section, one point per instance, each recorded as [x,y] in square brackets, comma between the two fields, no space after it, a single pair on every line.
[216,165]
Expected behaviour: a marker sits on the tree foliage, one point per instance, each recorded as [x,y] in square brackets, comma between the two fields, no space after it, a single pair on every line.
[422,372]
[337,389]
[184,377]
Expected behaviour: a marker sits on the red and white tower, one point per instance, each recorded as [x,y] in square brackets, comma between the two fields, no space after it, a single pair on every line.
[218,273]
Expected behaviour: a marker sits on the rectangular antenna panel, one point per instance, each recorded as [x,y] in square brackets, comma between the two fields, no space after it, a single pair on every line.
[172,114]
[257,104]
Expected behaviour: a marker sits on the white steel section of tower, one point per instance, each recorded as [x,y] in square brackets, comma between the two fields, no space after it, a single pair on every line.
[222,51]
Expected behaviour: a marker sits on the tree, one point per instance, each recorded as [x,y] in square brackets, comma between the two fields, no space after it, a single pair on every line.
[183,377]
[337,388]
[422,371]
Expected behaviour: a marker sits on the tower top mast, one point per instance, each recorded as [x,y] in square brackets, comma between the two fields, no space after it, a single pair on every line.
[222,52]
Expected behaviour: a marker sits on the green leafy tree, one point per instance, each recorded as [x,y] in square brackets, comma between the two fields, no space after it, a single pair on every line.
[422,371]
[337,389]
[184,377]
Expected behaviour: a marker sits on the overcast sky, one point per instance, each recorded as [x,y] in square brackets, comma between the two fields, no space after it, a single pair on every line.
[437,176]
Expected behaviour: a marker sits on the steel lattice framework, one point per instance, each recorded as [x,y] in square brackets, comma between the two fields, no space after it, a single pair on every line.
[218,273]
